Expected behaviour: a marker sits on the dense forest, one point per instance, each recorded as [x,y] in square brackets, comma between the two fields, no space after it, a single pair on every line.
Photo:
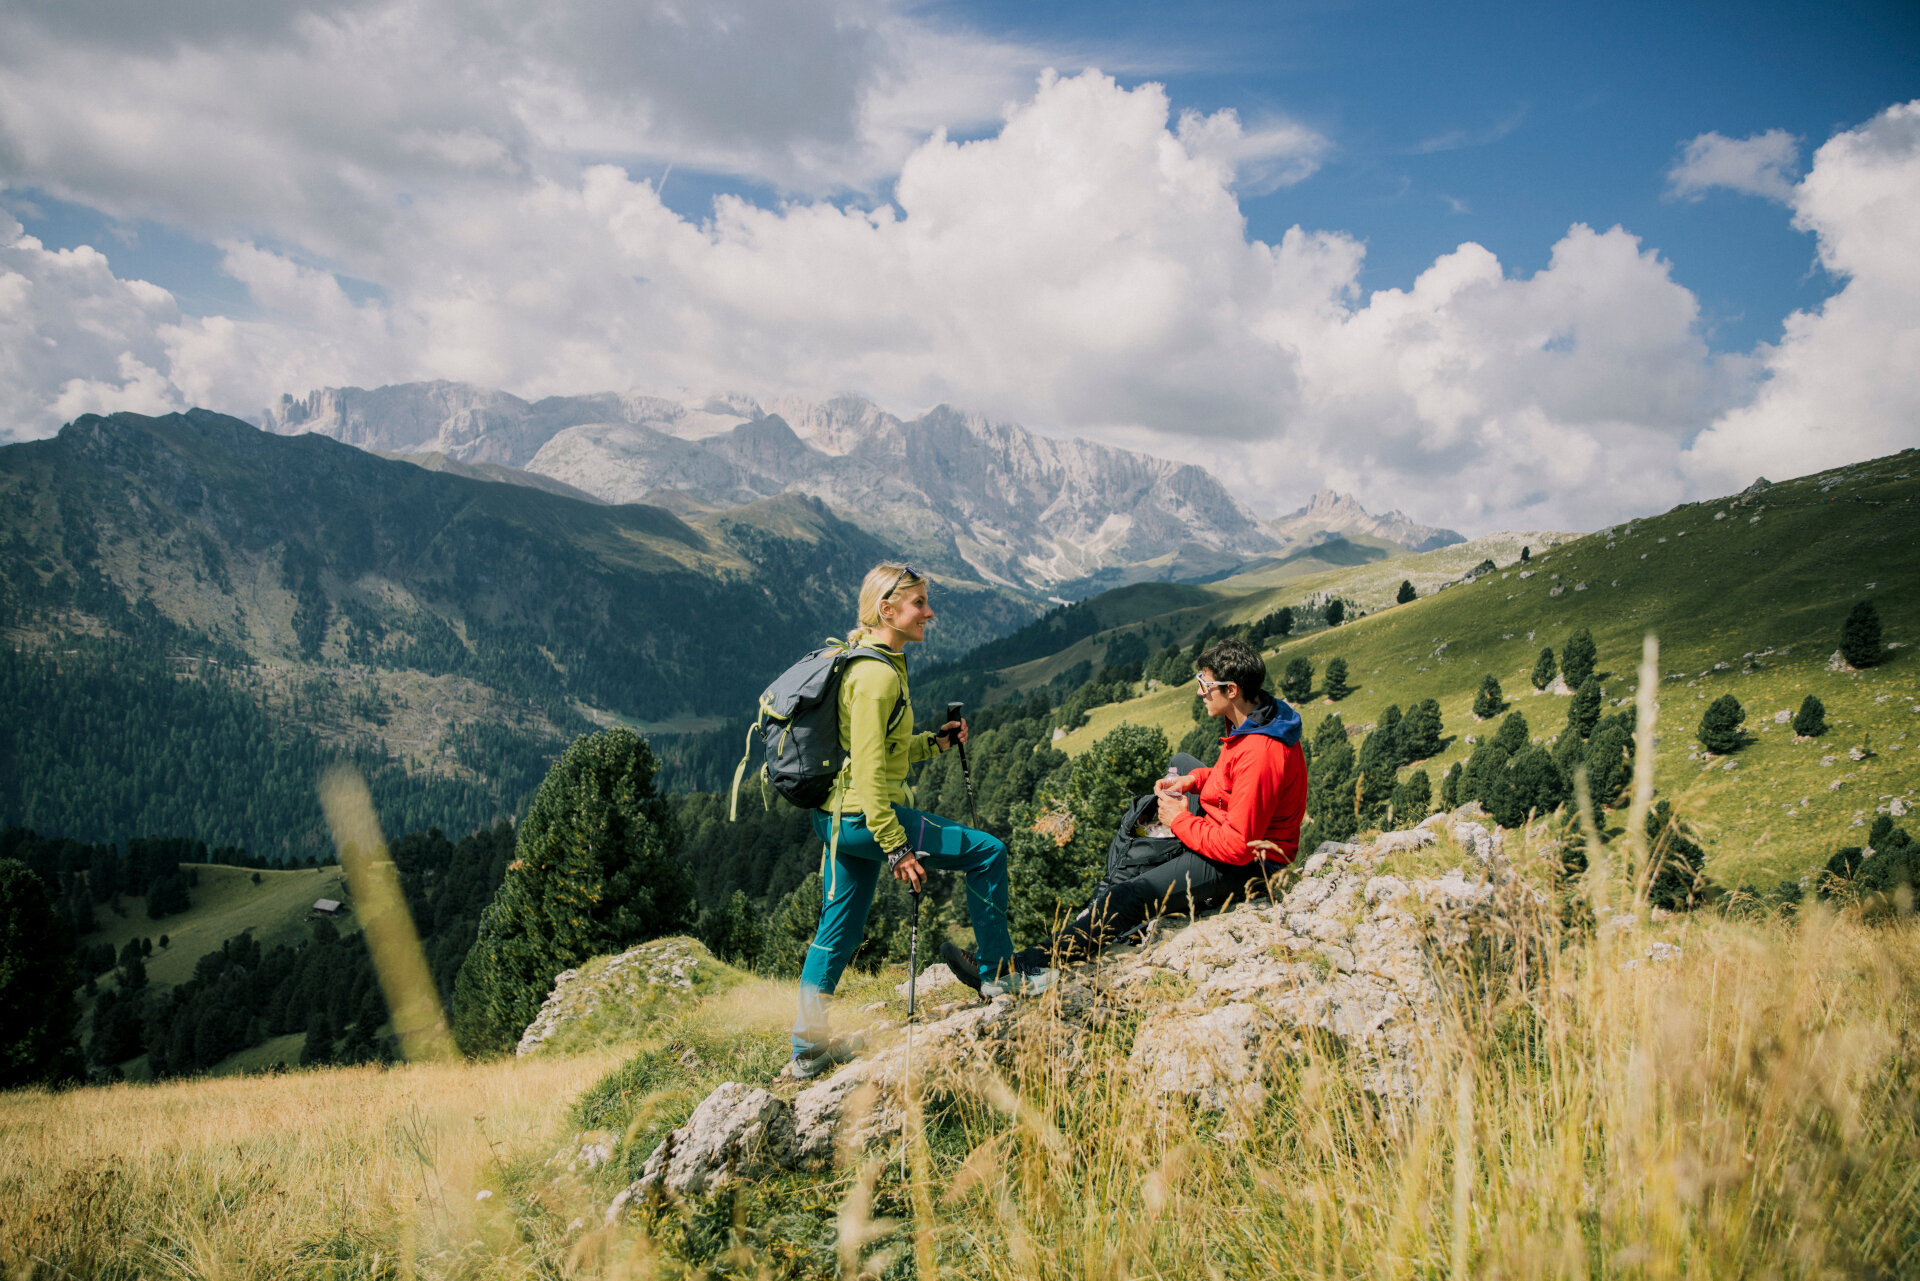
[104,742]
[241,995]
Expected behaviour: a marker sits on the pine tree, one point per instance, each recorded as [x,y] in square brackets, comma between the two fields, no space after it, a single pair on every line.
[1450,786]
[1720,730]
[1297,685]
[1679,878]
[1420,731]
[1609,762]
[594,873]
[1584,712]
[1514,734]
[1378,758]
[1060,840]
[1534,787]
[1488,703]
[790,929]
[1860,636]
[1335,612]
[1406,592]
[1577,658]
[1337,679]
[1526,554]
[1545,670]
[1280,621]
[1811,720]
[1412,799]
[1330,783]
[1393,724]
[37,979]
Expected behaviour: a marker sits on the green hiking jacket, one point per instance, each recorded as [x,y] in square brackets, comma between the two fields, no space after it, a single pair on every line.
[877,757]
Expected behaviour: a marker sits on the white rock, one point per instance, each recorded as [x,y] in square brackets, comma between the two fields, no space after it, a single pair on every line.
[737,1131]
[934,978]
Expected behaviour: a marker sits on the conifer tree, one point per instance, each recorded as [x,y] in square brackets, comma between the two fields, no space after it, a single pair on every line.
[1335,612]
[1376,767]
[1609,762]
[37,979]
[1533,787]
[1296,686]
[1412,799]
[1393,724]
[1545,670]
[1406,592]
[1450,786]
[1337,679]
[1488,703]
[790,928]
[1060,839]
[1811,720]
[1584,712]
[1280,621]
[1420,731]
[1720,730]
[1577,658]
[593,874]
[1514,734]
[1679,878]
[1860,640]
[1330,800]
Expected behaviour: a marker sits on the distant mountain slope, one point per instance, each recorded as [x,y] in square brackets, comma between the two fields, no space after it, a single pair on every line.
[988,501]
[458,627]
[1330,514]
[1747,595]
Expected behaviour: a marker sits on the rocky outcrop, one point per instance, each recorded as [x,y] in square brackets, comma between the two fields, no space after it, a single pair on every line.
[1363,947]
[667,966]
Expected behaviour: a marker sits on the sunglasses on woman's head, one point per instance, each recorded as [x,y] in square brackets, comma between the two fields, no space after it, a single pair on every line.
[905,574]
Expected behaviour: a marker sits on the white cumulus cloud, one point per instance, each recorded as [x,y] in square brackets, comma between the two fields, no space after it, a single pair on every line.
[1762,165]
[1843,383]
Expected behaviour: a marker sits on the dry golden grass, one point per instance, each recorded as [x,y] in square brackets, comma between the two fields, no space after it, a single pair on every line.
[1747,1107]
[337,1173]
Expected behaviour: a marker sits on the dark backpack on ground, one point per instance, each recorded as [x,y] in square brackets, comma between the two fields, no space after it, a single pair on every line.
[1129,855]
[798,727]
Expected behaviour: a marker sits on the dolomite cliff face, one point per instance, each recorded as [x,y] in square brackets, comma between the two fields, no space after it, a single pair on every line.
[991,501]
[1351,952]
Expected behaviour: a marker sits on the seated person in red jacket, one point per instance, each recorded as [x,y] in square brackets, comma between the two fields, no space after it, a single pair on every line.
[1257,792]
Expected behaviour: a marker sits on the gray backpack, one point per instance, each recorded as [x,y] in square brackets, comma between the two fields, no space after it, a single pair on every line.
[799,727]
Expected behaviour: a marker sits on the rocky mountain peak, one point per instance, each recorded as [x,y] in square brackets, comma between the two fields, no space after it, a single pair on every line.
[1330,514]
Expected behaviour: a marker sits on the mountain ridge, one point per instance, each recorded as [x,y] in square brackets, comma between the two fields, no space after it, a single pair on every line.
[988,501]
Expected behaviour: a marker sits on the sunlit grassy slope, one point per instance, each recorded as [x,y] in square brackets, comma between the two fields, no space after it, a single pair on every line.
[226,902]
[1747,597]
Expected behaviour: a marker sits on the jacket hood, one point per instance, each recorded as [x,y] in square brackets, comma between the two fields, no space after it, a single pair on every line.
[1273,718]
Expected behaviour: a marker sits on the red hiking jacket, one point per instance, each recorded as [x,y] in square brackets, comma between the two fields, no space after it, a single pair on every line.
[1257,791]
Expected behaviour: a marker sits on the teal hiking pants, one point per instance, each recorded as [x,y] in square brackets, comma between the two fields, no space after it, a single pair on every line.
[847,893]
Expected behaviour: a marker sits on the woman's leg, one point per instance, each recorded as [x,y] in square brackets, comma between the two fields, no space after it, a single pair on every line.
[947,846]
[846,892]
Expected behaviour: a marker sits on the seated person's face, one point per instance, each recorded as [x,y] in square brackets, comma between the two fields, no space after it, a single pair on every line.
[1215,696]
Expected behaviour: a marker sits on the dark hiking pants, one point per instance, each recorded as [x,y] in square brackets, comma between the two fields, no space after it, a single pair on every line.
[1186,884]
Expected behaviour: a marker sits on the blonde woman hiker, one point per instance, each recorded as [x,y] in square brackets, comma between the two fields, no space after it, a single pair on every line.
[879,831]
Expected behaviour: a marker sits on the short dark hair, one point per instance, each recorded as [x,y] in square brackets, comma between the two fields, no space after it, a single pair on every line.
[1233,660]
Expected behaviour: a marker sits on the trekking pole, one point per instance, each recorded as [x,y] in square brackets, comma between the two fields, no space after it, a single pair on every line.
[966,775]
[913,974]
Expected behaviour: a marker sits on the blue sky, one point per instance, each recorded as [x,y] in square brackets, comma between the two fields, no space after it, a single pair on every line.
[584,195]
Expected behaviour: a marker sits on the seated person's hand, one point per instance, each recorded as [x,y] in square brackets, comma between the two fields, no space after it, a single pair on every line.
[1171,806]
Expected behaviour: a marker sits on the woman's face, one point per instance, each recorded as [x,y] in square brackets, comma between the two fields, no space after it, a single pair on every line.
[908,612]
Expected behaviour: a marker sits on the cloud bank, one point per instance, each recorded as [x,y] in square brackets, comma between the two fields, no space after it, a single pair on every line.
[1083,267]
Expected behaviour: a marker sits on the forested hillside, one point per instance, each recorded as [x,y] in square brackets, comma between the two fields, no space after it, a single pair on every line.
[199,616]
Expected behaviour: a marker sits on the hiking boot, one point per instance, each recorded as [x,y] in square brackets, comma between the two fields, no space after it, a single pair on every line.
[1024,979]
[962,963]
[838,1050]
